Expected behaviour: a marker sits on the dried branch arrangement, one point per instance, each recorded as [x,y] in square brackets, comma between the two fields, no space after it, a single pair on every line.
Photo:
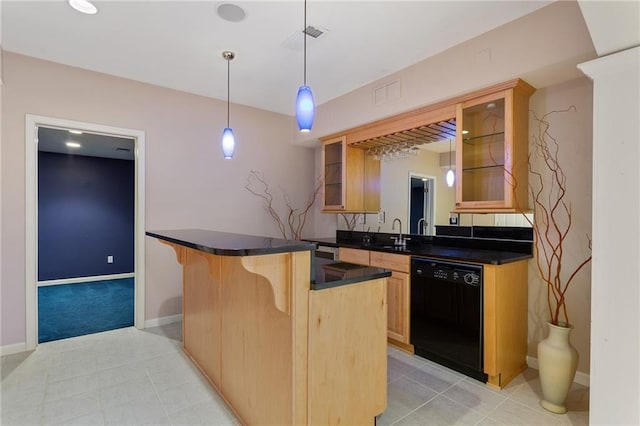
[553,217]
[292,224]
[351,220]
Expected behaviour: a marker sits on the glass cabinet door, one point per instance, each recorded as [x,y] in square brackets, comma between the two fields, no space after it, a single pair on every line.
[333,152]
[483,152]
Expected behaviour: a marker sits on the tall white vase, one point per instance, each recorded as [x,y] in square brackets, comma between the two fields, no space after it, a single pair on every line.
[557,363]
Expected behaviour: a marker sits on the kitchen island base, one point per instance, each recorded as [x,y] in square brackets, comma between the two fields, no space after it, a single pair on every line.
[277,351]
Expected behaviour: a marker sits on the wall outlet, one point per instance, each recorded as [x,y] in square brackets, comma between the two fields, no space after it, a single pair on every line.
[362,219]
[109,259]
[380,216]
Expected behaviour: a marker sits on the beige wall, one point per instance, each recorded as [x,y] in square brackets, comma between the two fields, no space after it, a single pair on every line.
[188,184]
[574,133]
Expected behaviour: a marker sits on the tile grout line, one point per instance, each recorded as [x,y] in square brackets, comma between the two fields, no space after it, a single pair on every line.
[155,390]
[437,394]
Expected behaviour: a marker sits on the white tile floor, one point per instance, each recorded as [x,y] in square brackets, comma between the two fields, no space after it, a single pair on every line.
[133,377]
[421,392]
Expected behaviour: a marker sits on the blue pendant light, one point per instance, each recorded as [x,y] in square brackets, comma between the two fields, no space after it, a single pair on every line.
[305,107]
[228,139]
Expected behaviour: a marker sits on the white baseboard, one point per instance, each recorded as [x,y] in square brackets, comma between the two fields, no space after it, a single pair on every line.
[86,279]
[15,348]
[580,378]
[156,322]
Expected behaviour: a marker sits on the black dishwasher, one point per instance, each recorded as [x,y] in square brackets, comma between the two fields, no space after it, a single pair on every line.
[447,315]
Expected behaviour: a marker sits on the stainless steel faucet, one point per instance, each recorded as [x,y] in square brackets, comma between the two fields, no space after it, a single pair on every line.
[399,241]
[421,229]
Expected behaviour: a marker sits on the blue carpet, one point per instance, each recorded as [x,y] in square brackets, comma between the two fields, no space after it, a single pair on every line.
[70,310]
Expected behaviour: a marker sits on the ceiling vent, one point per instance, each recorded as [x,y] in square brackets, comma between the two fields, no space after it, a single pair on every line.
[296,40]
[313,31]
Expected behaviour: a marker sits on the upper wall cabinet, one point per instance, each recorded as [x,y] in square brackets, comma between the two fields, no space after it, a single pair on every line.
[492,151]
[491,128]
[351,178]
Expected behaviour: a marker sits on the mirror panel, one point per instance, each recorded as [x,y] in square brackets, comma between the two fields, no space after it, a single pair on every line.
[395,198]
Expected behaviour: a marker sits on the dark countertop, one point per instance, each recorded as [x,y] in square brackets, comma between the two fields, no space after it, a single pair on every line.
[324,273]
[329,273]
[228,244]
[438,249]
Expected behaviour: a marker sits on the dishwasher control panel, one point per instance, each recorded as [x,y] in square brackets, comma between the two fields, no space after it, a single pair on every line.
[446,271]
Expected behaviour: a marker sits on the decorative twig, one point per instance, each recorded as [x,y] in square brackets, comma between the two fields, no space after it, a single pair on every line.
[291,228]
[351,221]
[553,218]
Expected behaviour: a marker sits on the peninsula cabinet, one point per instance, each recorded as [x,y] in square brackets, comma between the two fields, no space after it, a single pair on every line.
[351,178]
[492,148]
[279,347]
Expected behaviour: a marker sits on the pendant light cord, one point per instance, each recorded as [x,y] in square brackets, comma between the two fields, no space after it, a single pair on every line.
[449,153]
[228,90]
[304,34]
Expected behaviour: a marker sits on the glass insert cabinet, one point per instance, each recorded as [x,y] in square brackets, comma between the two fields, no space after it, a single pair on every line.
[351,178]
[492,151]
[333,174]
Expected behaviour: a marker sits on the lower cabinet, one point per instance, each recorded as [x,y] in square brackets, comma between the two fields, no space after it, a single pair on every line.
[505,310]
[398,307]
[505,321]
[398,288]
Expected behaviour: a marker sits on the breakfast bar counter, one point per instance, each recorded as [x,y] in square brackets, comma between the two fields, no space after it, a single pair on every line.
[285,338]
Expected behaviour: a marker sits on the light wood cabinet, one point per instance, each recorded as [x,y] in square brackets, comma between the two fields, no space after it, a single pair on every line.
[395,262]
[278,352]
[492,148]
[351,178]
[398,289]
[504,303]
[491,151]
[505,321]
[398,314]
[398,295]
[357,256]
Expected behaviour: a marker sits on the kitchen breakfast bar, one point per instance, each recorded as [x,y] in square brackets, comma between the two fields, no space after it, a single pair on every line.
[284,336]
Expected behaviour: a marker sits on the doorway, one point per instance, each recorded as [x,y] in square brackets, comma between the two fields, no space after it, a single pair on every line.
[85,233]
[33,124]
[421,204]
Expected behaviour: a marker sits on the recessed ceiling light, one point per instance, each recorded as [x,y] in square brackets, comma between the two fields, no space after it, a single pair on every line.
[73,144]
[75,132]
[83,6]
[231,12]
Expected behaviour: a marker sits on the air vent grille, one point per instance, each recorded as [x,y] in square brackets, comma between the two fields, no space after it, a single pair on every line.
[313,31]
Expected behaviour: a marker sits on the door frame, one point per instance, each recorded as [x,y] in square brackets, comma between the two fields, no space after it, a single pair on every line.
[432,201]
[32,122]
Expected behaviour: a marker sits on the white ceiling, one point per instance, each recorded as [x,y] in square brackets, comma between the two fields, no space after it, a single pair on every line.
[179,44]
